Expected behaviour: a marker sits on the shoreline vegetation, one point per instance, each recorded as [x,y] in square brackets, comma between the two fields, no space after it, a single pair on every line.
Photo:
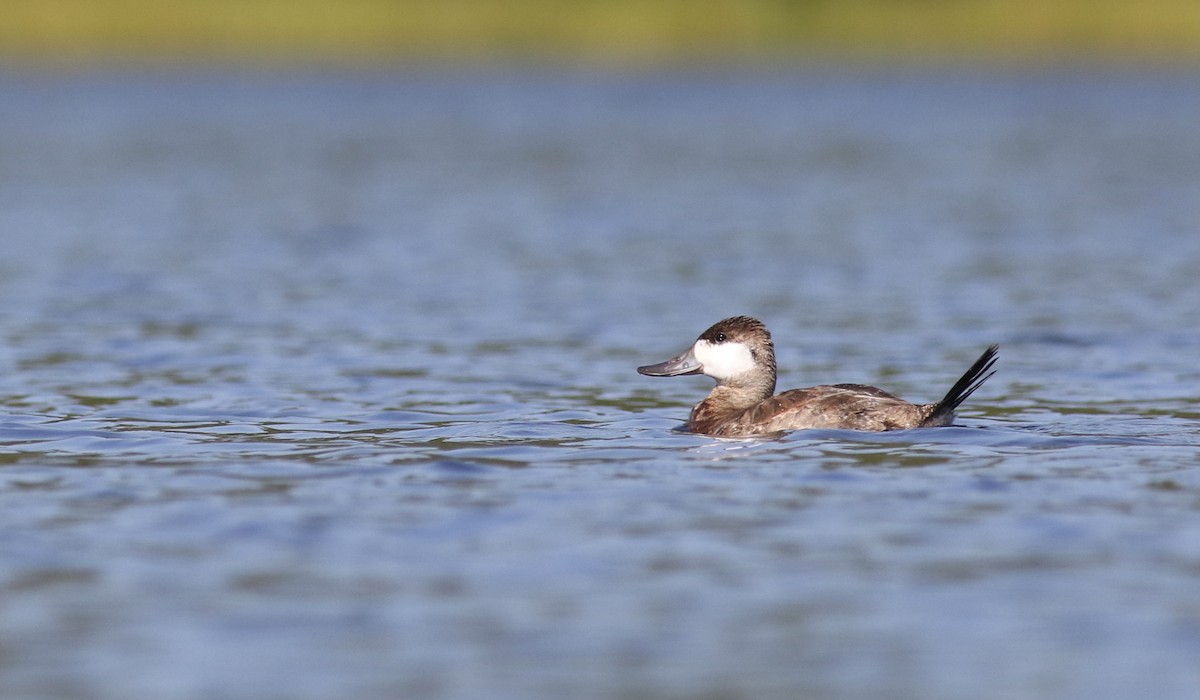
[596,32]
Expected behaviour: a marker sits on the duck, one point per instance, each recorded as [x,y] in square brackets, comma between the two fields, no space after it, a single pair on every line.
[739,354]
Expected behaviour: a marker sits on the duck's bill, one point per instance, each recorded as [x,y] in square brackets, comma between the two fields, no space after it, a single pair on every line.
[682,364]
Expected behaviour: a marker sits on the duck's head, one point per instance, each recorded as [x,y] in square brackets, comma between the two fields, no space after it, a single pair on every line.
[736,352]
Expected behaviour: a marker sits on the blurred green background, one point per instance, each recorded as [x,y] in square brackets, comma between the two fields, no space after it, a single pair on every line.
[621,32]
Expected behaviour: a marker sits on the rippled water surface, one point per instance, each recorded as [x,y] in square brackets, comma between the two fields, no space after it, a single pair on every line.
[322,386]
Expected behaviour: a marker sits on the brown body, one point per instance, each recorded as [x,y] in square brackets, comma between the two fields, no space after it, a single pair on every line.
[739,354]
[838,406]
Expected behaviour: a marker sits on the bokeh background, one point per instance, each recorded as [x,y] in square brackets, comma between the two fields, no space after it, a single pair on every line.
[608,32]
[319,320]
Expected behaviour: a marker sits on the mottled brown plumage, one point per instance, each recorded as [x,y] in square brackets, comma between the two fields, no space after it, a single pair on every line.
[739,354]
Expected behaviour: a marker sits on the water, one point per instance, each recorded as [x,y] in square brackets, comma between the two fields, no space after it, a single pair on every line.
[322,385]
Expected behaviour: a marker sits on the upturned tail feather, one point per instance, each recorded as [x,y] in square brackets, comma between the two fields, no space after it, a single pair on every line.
[964,387]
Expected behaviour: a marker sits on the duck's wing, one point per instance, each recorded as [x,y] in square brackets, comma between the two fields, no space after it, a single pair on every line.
[835,406]
[863,389]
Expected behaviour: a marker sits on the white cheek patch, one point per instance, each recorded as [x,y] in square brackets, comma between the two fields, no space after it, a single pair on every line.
[723,360]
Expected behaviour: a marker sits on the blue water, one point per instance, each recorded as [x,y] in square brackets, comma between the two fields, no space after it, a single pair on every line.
[322,385]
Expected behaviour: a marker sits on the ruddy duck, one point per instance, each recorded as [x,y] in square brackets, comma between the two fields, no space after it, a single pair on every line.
[739,354]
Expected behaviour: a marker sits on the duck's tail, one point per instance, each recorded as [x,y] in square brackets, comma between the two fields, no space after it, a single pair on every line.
[943,411]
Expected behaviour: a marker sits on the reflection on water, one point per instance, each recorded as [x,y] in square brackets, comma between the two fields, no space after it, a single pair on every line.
[322,386]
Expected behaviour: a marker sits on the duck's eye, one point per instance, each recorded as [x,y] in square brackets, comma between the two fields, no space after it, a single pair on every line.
[720,338]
